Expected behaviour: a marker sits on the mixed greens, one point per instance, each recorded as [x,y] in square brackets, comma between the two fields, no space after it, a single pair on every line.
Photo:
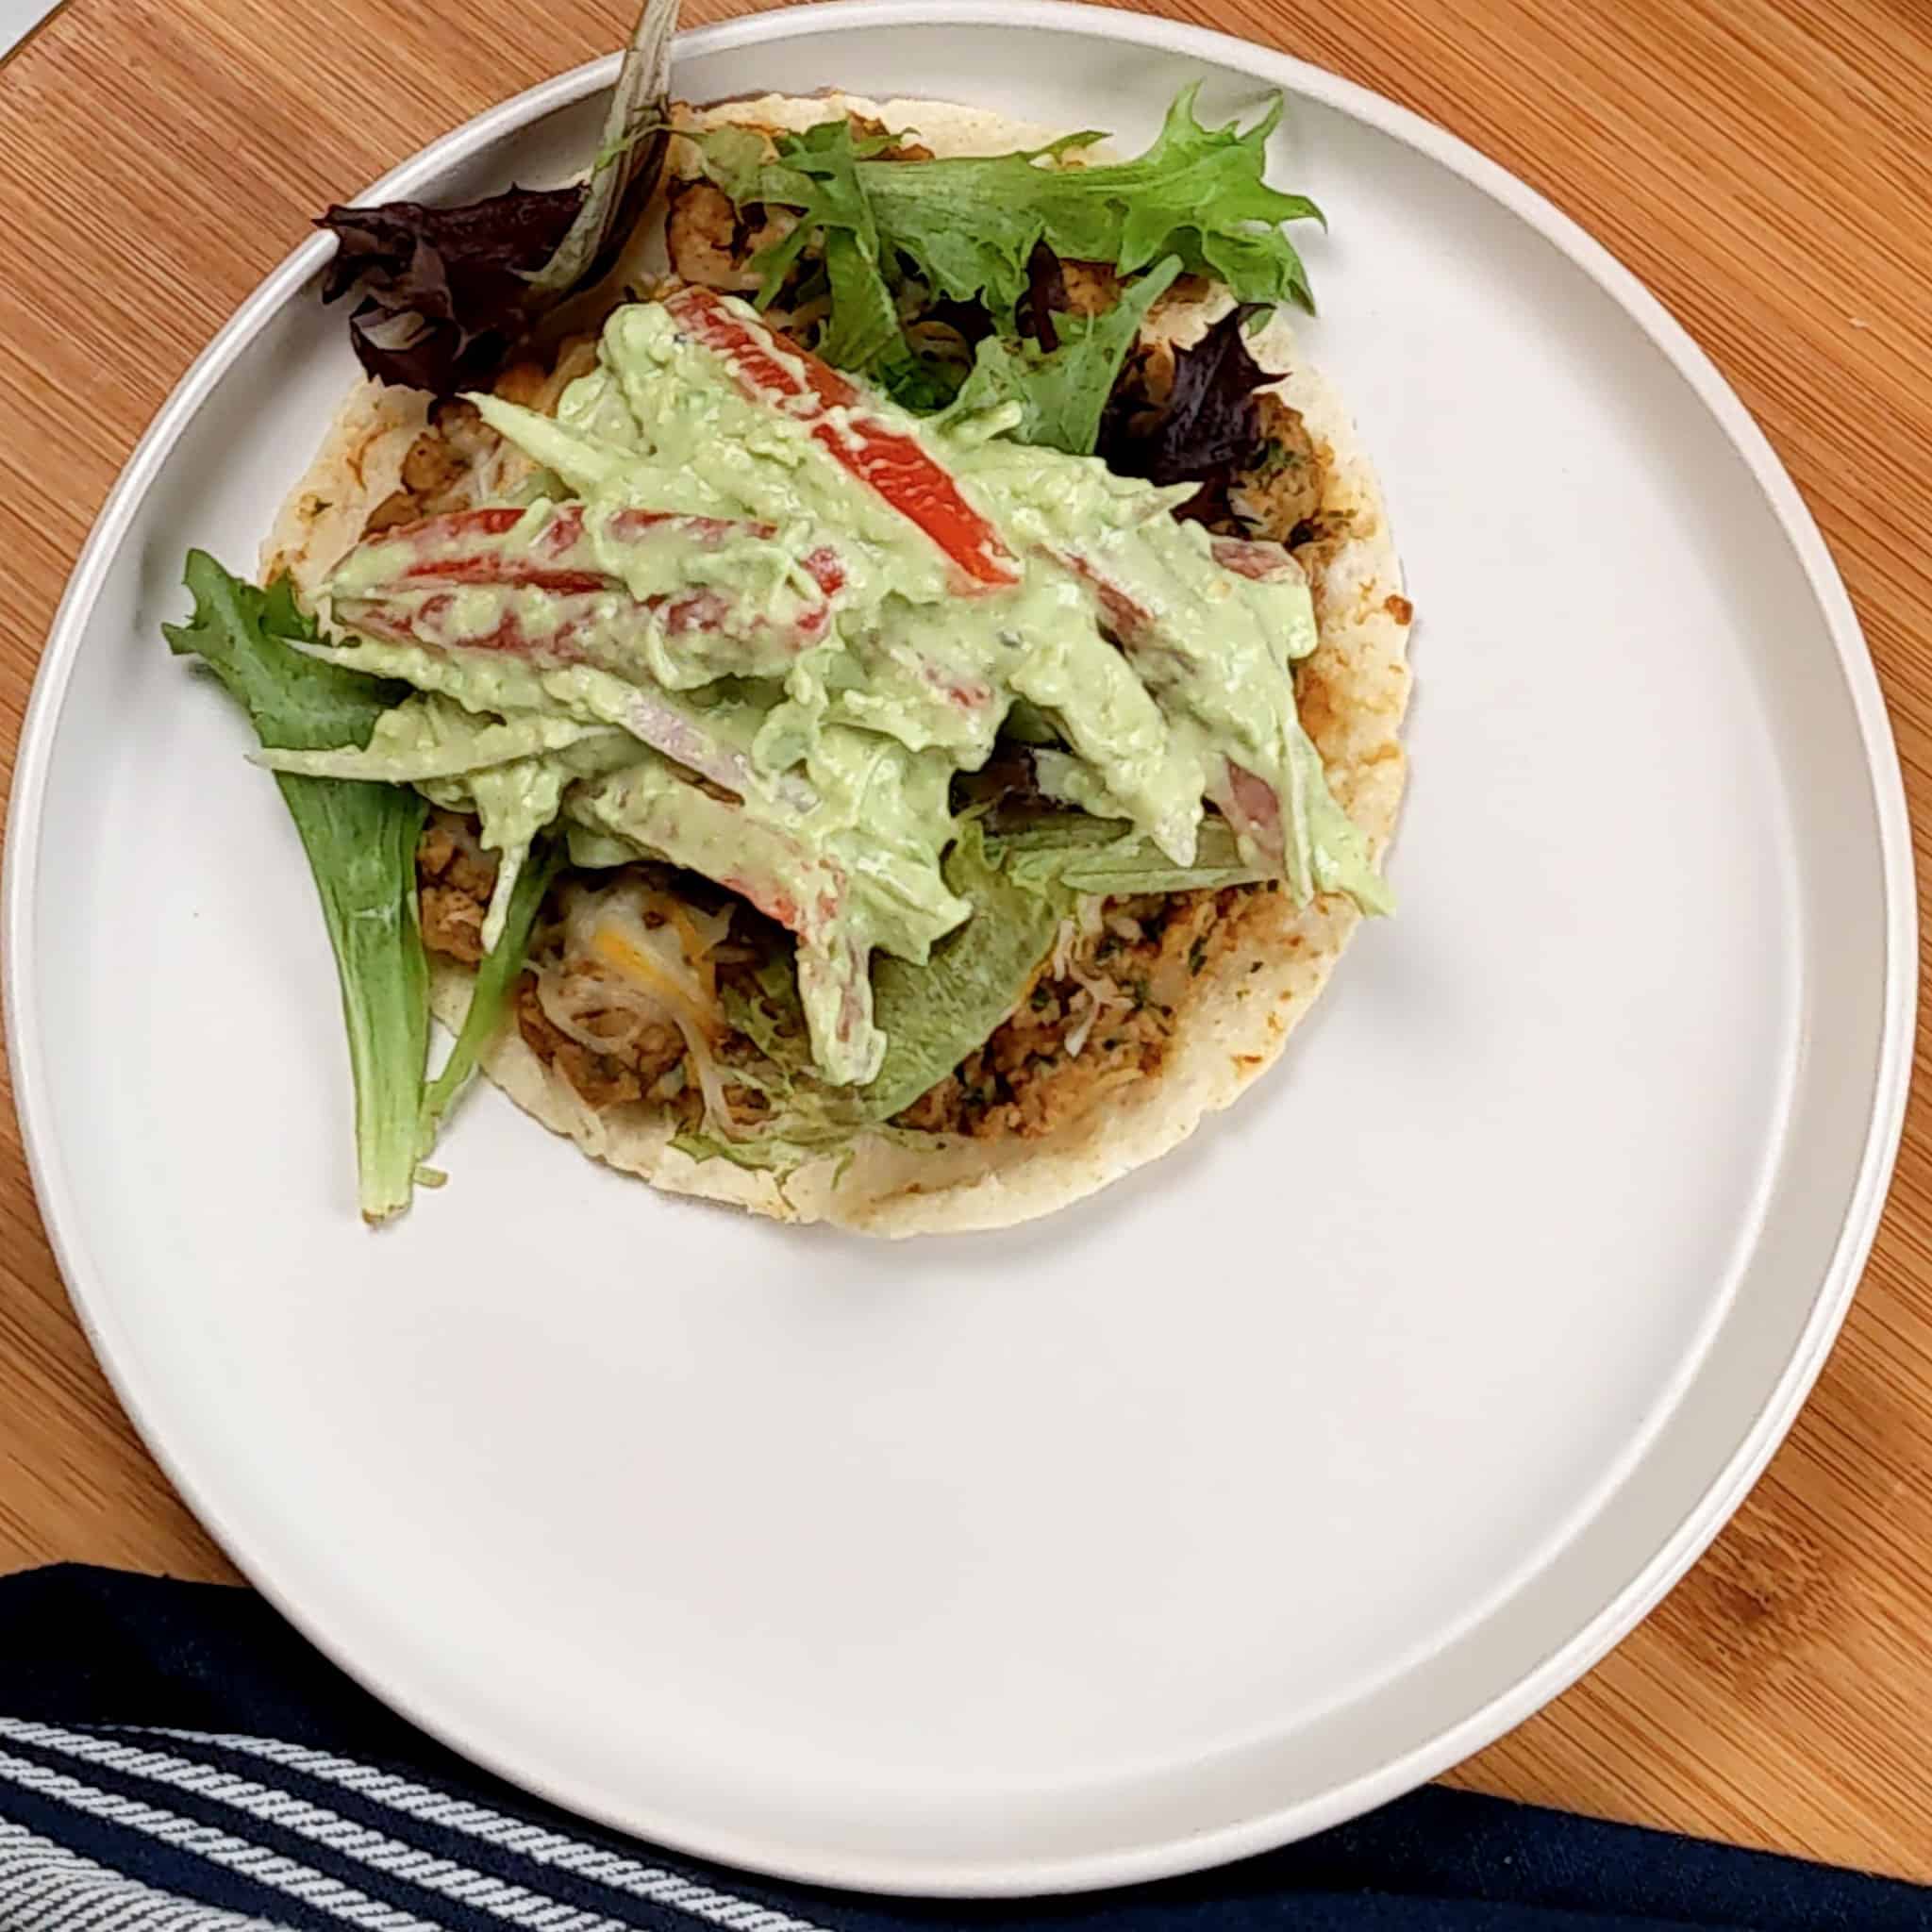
[764,600]
[983,234]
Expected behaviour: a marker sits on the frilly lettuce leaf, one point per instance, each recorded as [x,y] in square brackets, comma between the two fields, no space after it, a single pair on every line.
[254,641]
[970,226]
[1058,395]
[864,325]
[967,229]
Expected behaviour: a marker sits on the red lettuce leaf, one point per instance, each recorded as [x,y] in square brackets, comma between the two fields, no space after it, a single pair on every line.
[447,294]
[445,291]
[1208,426]
[1046,293]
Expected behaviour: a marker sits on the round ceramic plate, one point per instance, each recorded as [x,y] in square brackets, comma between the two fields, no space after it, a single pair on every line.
[1227,1504]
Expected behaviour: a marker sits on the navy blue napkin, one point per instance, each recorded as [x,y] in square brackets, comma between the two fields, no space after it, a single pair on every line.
[174,1758]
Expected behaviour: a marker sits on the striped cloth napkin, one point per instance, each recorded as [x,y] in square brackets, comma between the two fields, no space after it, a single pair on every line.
[174,1758]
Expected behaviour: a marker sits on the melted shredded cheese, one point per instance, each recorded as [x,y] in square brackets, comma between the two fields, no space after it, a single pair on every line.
[651,957]
[1097,992]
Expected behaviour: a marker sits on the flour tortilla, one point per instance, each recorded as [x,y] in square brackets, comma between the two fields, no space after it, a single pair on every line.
[1235,1020]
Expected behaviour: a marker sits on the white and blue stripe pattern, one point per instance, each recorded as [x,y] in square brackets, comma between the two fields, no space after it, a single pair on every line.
[259,1791]
[253,1831]
[552,1849]
[46,1886]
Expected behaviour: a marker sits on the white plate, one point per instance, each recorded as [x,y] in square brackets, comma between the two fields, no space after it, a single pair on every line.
[1209,1512]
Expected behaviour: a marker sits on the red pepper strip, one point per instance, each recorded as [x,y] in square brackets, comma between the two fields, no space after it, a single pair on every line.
[772,370]
[469,547]
[481,548]
[426,620]
[1130,622]
[1133,627]
[841,966]
[1252,558]
[1245,799]
[971,694]
[802,890]
[1248,803]
[578,631]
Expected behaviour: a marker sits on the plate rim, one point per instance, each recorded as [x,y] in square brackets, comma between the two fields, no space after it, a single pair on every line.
[63,1216]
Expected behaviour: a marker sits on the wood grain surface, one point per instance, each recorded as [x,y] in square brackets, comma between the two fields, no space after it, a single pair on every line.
[1758,162]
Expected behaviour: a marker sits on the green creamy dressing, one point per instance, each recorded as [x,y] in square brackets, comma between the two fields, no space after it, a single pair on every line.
[837,745]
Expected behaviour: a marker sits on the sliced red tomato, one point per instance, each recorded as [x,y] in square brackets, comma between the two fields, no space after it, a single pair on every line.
[898,466]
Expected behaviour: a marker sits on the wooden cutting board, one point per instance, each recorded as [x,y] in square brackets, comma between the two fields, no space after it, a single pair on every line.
[1758,162]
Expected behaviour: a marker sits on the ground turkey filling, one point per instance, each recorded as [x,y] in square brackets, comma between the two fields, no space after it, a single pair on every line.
[1062,1048]
[1102,1009]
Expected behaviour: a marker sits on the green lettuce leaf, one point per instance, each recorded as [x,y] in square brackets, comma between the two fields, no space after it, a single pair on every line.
[513,803]
[249,637]
[933,1015]
[921,383]
[817,170]
[431,736]
[1077,853]
[1338,853]
[1074,852]
[864,325]
[489,994]
[1060,395]
[361,839]
[968,226]
[766,1155]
